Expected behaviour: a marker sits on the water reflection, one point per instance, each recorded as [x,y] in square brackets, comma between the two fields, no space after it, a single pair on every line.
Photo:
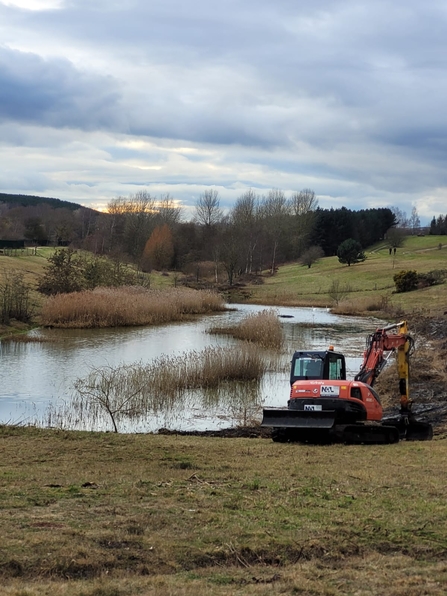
[36,379]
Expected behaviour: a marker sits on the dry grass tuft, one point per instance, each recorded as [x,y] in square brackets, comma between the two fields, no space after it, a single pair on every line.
[366,305]
[126,306]
[262,328]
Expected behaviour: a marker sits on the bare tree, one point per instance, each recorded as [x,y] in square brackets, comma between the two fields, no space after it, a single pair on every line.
[208,211]
[414,220]
[338,292]
[311,255]
[119,392]
[275,211]
[395,237]
[245,218]
[304,201]
[303,205]
[133,222]
[168,212]
[401,217]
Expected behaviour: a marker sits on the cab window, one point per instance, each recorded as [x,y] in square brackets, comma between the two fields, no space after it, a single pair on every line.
[356,393]
[308,368]
[335,367]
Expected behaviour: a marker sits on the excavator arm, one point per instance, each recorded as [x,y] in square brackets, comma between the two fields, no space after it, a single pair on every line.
[380,345]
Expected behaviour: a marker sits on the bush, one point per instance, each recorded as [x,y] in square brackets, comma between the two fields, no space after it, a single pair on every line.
[67,272]
[432,278]
[406,281]
[15,298]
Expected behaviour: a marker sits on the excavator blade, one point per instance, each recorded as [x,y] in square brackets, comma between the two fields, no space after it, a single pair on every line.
[411,429]
[285,418]
[419,431]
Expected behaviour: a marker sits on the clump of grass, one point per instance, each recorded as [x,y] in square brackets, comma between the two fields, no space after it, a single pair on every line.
[126,306]
[262,328]
[131,391]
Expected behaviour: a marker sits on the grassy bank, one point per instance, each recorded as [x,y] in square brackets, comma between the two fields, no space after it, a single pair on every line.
[371,285]
[113,515]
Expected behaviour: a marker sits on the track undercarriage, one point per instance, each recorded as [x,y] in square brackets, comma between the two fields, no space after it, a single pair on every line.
[356,434]
[342,425]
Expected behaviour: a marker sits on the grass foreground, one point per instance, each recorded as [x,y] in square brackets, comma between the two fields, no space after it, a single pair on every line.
[98,514]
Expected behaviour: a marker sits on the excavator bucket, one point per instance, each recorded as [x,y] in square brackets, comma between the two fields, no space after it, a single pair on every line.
[285,418]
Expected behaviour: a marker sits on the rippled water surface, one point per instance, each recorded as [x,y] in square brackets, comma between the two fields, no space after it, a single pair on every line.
[37,378]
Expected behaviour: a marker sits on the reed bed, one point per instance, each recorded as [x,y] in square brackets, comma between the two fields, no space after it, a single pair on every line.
[262,328]
[134,390]
[126,306]
[207,369]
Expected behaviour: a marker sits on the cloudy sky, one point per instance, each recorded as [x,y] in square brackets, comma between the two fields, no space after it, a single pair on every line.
[103,98]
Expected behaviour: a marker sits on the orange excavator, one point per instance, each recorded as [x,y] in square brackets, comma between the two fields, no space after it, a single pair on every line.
[326,407]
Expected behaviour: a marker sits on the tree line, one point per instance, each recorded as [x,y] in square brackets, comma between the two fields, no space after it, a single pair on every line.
[258,233]
[438,225]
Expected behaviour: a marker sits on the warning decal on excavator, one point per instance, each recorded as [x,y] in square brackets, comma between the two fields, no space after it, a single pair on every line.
[330,390]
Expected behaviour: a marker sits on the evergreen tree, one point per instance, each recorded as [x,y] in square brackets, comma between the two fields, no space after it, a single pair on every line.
[350,252]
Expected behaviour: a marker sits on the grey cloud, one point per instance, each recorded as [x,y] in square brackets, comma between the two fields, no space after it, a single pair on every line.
[351,93]
[54,93]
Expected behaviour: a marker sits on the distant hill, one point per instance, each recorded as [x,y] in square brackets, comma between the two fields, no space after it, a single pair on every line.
[32,201]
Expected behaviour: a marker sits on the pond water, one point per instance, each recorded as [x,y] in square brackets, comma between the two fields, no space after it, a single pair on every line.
[36,378]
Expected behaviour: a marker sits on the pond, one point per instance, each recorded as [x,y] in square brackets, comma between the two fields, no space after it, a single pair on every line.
[37,378]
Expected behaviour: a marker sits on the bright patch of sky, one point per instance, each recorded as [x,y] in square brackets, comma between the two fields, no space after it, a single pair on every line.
[33,4]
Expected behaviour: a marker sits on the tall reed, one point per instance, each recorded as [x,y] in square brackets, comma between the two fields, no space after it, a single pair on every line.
[262,328]
[125,306]
[131,391]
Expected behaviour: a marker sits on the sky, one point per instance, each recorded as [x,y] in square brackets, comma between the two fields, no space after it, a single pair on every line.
[348,98]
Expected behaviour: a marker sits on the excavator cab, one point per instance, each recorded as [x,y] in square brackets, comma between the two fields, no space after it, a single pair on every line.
[317,365]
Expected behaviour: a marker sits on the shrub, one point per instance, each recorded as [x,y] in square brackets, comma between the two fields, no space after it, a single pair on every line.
[406,281]
[15,298]
[63,273]
[67,271]
[432,278]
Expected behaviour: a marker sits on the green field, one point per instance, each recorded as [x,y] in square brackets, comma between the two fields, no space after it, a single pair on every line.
[370,281]
[294,284]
